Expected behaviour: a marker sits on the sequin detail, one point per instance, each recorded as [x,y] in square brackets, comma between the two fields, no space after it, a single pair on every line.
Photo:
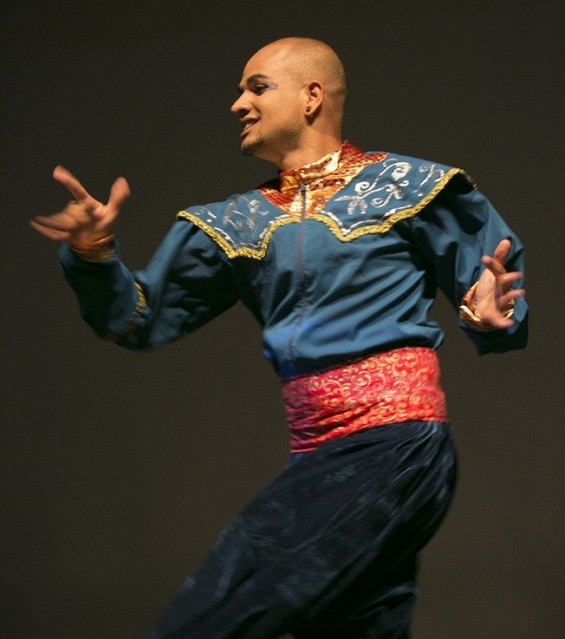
[323,180]
[387,388]
[353,193]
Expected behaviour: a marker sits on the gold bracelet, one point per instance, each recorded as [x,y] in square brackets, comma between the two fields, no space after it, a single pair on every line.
[99,251]
[471,317]
[95,245]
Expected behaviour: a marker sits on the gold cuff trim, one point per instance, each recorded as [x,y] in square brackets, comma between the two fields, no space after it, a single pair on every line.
[139,308]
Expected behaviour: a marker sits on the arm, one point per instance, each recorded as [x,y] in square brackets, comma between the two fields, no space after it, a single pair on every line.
[489,304]
[86,224]
[477,261]
[187,282]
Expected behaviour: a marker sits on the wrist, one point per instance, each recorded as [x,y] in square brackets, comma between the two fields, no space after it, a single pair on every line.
[97,251]
[469,312]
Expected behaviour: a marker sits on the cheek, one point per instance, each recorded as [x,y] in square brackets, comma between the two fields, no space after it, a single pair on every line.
[292,121]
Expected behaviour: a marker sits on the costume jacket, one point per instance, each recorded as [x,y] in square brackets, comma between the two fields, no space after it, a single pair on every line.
[337,261]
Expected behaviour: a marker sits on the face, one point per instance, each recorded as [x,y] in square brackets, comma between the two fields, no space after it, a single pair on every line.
[270,106]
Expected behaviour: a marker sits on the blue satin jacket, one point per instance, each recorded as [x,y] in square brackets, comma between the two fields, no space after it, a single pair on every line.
[337,260]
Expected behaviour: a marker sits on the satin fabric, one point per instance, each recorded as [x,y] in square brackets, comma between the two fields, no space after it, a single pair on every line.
[329,548]
[321,301]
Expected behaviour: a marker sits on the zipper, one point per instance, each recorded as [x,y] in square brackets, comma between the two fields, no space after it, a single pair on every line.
[303,194]
[302,278]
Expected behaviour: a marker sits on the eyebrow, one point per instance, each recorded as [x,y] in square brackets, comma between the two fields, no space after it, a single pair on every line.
[251,79]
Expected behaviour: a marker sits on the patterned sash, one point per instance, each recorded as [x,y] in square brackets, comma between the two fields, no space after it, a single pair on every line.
[397,386]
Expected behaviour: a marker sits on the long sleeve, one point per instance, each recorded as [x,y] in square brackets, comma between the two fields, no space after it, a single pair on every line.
[187,283]
[453,233]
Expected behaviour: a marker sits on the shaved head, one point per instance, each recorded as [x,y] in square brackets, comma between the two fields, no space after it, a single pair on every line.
[291,102]
[312,60]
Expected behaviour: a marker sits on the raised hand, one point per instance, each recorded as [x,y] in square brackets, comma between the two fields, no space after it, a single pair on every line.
[490,302]
[85,222]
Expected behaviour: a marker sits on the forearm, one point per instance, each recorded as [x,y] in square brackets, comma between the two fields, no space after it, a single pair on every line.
[108,297]
[455,233]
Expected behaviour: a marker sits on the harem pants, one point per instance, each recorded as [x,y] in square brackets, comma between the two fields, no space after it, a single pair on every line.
[328,550]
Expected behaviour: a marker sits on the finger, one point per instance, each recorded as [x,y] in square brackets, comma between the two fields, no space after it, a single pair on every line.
[49,232]
[502,323]
[504,303]
[511,296]
[59,222]
[493,265]
[502,250]
[119,193]
[70,182]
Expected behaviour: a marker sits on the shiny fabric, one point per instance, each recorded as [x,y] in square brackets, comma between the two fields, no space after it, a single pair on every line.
[359,194]
[338,262]
[328,549]
[355,279]
[387,388]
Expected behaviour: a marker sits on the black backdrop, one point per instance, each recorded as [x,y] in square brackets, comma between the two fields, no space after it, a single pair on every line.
[119,469]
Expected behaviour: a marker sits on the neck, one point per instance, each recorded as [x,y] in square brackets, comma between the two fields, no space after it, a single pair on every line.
[307,153]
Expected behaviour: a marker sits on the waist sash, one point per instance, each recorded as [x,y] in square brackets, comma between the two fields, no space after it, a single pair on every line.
[387,388]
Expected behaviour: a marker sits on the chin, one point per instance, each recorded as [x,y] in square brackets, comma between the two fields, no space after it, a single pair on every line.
[255,144]
[258,148]
[250,147]
[247,150]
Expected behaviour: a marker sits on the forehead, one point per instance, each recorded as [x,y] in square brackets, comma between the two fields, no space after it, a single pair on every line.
[272,63]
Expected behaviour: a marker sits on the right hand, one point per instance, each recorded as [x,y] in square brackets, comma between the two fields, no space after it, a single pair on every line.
[84,220]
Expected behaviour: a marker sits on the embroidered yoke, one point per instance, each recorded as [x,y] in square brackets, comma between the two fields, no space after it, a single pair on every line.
[338,261]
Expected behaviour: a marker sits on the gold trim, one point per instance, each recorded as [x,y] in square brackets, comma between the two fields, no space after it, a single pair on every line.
[370,229]
[470,315]
[384,227]
[131,324]
[257,254]
[139,308]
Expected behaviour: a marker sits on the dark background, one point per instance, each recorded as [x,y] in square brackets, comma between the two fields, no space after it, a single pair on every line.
[119,469]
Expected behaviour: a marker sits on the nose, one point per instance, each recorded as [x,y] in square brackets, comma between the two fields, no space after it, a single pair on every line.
[240,106]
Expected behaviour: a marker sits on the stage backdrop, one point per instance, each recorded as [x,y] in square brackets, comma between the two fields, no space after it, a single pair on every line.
[119,469]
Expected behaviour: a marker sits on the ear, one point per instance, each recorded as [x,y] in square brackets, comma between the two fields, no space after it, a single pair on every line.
[314,98]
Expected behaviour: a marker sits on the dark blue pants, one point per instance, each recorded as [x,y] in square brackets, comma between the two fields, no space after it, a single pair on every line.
[329,548]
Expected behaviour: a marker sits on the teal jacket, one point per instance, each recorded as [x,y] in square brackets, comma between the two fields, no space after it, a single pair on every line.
[336,261]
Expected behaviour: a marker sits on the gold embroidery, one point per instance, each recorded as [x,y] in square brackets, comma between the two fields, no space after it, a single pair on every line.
[340,233]
[387,388]
[386,225]
[139,308]
[230,251]
[373,206]
[323,179]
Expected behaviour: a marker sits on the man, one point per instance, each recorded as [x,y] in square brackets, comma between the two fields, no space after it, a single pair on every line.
[338,258]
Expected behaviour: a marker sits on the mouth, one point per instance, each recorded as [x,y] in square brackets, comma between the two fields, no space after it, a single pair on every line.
[246,125]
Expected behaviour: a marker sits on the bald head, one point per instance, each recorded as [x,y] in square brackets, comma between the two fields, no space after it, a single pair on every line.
[292,94]
[312,60]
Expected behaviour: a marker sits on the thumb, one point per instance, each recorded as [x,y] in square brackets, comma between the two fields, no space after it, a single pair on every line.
[119,193]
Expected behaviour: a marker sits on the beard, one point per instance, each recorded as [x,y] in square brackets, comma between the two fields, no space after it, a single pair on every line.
[250,147]
[274,145]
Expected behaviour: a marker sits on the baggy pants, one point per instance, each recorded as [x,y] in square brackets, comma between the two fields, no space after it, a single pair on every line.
[328,550]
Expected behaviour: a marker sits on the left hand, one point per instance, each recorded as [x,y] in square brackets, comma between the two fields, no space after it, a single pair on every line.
[494,294]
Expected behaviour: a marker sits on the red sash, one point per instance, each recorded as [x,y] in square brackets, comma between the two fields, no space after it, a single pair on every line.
[397,386]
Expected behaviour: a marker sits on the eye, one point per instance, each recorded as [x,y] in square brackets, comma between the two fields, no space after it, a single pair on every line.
[260,88]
